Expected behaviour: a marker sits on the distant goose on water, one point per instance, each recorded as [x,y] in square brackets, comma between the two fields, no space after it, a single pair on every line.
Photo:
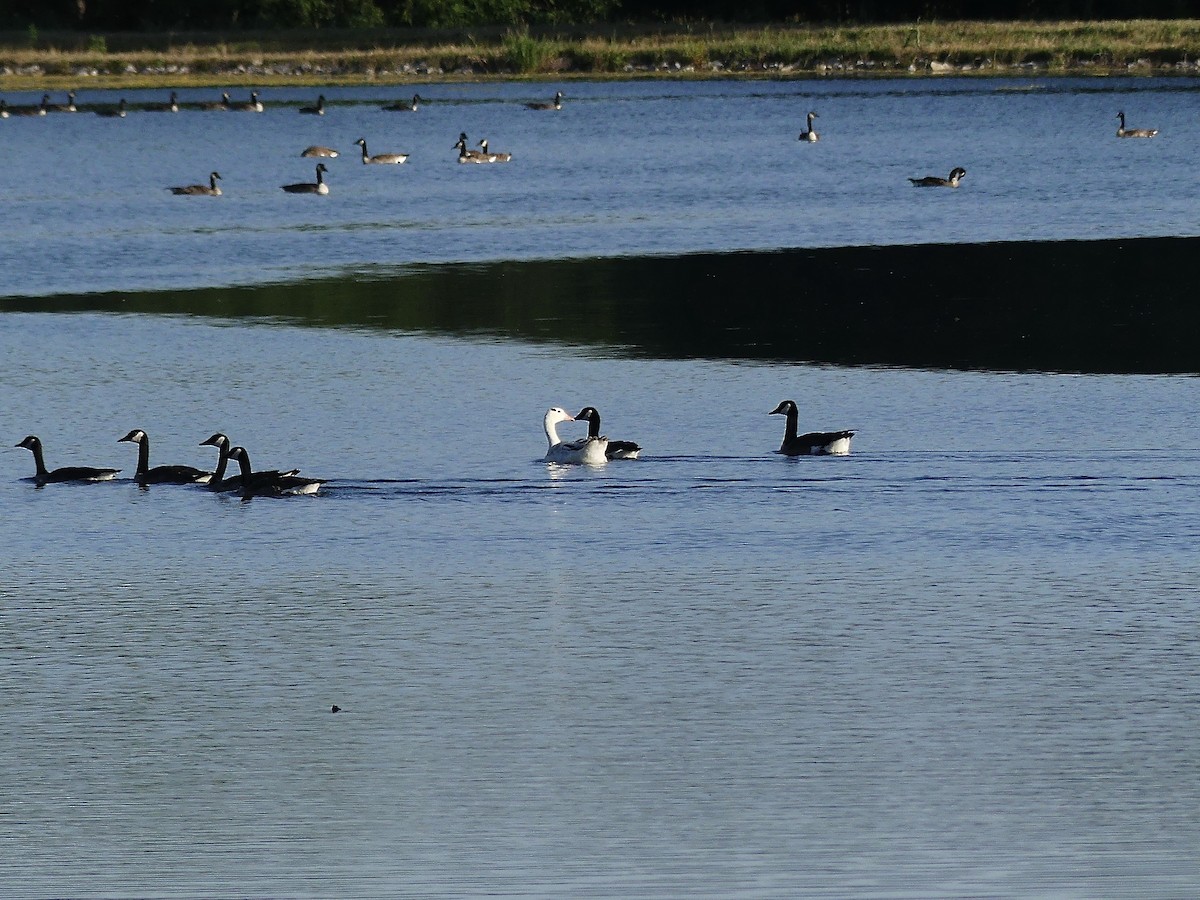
[307,187]
[3,109]
[401,106]
[161,474]
[382,158]
[615,449]
[810,136]
[38,110]
[66,473]
[172,105]
[588,451]
[815,443]
[69,106]
[271,484]
[318,110]
[1123,132]
[223,103]
[219,482]
[956,175]
[200,190]
[556,103]
[117,112]
[466,155]
[251,105]
[493,157]
[317,150]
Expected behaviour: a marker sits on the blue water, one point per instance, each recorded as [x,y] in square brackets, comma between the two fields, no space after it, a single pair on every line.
[960,661]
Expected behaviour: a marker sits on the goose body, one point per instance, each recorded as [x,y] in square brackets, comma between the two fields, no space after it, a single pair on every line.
[161,474]
[200,190]
[382,158]
[810,135]
[588,451]
[223,103]
[171,105]
[1123,132]
[466,155]
[38,110]
[956,175]
[317,151]
[401,106]
[309,188]
[271,484]
[66,473]
[251,105]
[493,157]
[815,443]
[69,106]
[615,449]
[117,112]
[556,103]
[219,483]
[318,110]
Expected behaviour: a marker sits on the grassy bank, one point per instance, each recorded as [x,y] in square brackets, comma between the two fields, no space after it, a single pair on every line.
[52,61]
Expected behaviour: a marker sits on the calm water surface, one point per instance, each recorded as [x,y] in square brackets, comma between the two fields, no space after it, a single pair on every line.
[961,661]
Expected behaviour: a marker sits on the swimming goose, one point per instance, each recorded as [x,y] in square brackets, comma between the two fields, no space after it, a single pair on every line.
[810,136]
[383,158]
[39,110]
[615,449]
[223,103]
[171,105]
[956,175]
[3,109]
[69,106]
[219,482]
[556,103]
[66,473]
[161,474]
[589,450]
[318,110]
[271,484]
[251,105]
[317,150]
[307,187]
[401,106]
[493,157]
[1122,131]
[465,155]
[815,443]
[200,190]
[113,113]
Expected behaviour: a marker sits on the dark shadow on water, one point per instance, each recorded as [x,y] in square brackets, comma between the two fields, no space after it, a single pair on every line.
[1080,306]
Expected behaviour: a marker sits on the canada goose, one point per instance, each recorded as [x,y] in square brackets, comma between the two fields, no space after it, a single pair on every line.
[219,482]
[1122,131]
[815,443]
[161,474]
[39,110]
[113,113]
[69,106]
[271,484]
[223,103]
[493,157]
[615,449]
[307,187]
[171,105]
[466,155]
[401,106]
[3,109]
[201,190]
[556,103]
[314,151]
[810,136]
[251,105]
[588,450]
[382,158]
[956,175]
[318,110]
[66,473]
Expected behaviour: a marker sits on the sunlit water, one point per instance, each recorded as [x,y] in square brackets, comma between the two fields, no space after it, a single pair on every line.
[960,661]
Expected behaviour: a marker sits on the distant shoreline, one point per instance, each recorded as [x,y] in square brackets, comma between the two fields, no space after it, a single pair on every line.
[62,60]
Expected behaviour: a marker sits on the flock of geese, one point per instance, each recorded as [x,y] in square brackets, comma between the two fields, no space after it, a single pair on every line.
[594,449]
[254,104]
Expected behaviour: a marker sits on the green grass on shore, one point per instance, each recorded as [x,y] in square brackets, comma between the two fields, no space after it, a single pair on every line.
[58,60]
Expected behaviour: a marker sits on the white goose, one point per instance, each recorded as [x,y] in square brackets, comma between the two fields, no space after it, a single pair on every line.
[589,451]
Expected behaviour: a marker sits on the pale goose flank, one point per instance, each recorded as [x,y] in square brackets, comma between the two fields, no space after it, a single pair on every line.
[815,443]
[956,175]
[810,136]
[307,187]
[1123,132]
[200,190]
[392,159]
[316,150]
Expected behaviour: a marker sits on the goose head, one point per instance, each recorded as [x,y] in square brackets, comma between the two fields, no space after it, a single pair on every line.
[587,414]
[785,408]
[217,440]
[556,414]
[239,453]
[30,443]
[136,436]
[462,141]
[957,172]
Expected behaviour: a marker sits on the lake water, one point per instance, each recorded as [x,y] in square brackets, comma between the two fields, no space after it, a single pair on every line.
[959,662]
